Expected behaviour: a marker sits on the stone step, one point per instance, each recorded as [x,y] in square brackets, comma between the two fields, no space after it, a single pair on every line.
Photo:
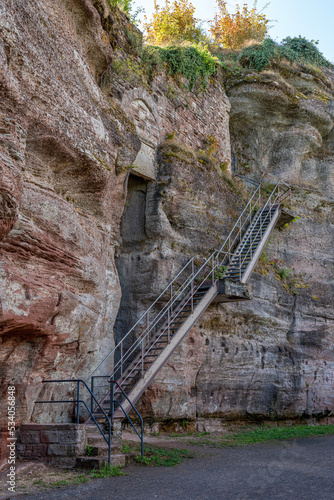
[92,429]
[98,462]
[102,450]
[100,444]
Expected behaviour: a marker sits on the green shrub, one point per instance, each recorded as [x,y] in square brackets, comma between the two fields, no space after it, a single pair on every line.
[124,5]
[194,63]
[301,49]
[261,56]
[258,56]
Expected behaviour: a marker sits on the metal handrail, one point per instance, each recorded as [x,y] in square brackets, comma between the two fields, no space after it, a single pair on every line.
[111,405]
[216,261]
[167,306]
[112,401]
[78,401]
[143,338]
[143,316]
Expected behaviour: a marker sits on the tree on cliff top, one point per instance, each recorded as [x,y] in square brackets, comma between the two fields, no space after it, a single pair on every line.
[234,31]
[173,23]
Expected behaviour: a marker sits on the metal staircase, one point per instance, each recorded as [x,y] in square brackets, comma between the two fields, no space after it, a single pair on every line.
[223,277]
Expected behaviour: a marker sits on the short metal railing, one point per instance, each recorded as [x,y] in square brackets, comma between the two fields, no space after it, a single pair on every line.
[179,293]
[77,401]
[113,402]
[109,421]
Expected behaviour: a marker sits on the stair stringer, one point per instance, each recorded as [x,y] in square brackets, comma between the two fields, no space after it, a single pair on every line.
[177,338]
[259,250]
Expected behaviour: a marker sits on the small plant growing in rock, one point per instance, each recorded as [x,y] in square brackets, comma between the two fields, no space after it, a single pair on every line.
[170,136]
[284,273]
[219,272]
[89,450]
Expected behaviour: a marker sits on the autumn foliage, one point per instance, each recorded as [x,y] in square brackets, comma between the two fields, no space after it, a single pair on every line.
[172,24]
[233,31]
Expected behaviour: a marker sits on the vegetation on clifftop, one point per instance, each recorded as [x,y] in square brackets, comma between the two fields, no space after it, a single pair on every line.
[177,44]
[195,63]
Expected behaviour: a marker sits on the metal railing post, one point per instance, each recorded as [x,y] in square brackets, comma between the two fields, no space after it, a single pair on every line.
[112,402]
[142,437]
[121,359]
[91,396]
[109,444]
[142,358]
[78,401]
[148,322]
[213,270]
[168,322]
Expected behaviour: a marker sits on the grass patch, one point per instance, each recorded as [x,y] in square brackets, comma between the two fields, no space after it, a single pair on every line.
[263,435]
[114,470]
[163,457]
[156,456]
[79,479]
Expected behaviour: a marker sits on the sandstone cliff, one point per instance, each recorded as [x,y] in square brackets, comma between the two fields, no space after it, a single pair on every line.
[271,358]
[97,202]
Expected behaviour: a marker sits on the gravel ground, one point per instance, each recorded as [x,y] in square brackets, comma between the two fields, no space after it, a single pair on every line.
[298,469]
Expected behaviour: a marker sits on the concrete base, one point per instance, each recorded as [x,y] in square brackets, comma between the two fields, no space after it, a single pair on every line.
[232,291]
[285,217]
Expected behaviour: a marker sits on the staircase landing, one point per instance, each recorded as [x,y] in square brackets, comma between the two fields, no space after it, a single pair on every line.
[232,291]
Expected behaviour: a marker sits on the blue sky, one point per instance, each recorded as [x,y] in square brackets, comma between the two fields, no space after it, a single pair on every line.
[311,19]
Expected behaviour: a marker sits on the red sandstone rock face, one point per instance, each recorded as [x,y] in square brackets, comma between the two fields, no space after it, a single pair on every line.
[67,137]
[65,148]
[60,200]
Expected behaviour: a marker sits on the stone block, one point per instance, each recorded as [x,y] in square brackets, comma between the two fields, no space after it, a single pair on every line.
[24,450]
[70,436]
[49,436]
[30,437]
[38,451]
